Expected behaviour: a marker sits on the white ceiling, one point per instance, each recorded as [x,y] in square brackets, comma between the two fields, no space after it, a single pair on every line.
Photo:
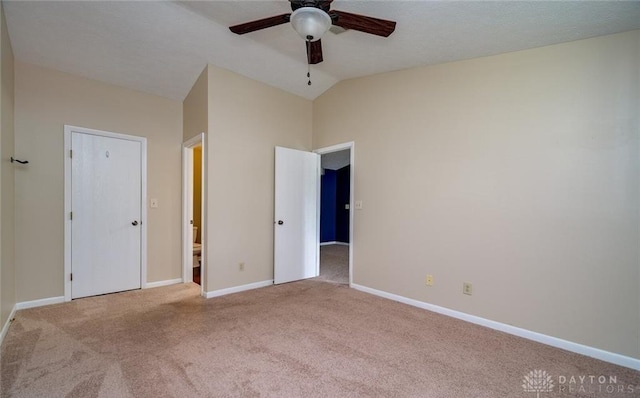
[161,47]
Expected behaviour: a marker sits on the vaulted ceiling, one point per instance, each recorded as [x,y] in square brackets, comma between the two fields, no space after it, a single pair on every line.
[160,47]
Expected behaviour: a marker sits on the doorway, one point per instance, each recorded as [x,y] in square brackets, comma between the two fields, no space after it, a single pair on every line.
[336,213]
[105,212]
[196,220]
[194,217]
[297,213]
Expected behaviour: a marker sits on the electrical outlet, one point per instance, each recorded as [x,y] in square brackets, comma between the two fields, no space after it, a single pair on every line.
[241,266]
[429,280]
[467,288]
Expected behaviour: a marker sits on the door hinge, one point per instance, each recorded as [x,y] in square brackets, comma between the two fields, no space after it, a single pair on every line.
[71,153]
[71,277]
[71,215]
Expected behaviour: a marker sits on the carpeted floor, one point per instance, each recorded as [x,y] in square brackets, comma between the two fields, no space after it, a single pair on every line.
[334,263]
[302,339]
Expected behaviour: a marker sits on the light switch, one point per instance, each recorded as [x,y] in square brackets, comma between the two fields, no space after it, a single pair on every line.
[358,205]
[154,203]
[346,207]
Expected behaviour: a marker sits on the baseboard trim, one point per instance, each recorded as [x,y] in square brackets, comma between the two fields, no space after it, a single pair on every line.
[334,242]
[39,303]
[151,285]
[5,327]
[237,289]
[592,352]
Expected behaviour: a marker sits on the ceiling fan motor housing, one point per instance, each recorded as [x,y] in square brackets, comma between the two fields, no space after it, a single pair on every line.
[324,5]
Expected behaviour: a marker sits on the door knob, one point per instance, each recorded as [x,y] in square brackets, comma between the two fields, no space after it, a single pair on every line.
[134,223]
[280,222]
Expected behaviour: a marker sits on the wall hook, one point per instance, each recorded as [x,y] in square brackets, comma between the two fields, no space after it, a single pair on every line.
[19,161]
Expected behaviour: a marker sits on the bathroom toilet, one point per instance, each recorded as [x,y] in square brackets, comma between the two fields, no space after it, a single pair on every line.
[197,248]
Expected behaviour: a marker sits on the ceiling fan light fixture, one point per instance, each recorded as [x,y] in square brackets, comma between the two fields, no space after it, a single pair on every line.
[310,22]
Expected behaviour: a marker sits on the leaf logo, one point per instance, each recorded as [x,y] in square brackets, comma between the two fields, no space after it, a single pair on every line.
[537,381]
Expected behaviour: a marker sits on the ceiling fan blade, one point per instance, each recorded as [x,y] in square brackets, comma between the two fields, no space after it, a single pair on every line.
[314,52]
[375,26]
[260,24]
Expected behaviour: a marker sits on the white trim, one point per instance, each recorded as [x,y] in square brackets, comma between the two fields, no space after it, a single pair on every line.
[144,220]
[204,217]
[187,211]
[40,303]
[352,162]
[67,210]
[168,282]
[318,210]
[334,242]
[5,328]
[237,289]
[592,352]
[68,194]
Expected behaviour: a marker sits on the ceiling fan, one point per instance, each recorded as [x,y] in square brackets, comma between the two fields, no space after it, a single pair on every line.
[312,18]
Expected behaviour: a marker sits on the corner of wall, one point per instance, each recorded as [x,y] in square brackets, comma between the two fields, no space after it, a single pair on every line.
[7,324]
[7,199]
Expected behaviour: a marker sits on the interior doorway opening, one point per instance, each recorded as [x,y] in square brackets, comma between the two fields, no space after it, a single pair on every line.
[336,213]
[194,220]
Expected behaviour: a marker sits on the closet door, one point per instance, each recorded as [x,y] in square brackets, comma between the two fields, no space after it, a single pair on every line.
[106,183]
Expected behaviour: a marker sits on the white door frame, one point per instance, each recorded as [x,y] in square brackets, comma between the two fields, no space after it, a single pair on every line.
[337,148]
[187,211]
[68,194]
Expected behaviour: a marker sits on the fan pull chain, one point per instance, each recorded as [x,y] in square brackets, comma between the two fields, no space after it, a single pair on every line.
[308,63]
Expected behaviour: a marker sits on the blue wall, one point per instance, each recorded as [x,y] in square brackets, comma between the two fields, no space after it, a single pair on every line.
[328,206]
[334,218]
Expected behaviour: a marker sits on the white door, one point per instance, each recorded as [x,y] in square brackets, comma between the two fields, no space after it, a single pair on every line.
[296,215]
[106,194]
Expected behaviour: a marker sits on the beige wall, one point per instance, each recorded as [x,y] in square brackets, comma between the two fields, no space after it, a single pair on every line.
[196,117]
[7,257]
[247,120]
[517,172]
[45,101]
[195,108]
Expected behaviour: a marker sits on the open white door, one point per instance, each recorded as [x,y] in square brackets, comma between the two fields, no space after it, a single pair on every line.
[296,215]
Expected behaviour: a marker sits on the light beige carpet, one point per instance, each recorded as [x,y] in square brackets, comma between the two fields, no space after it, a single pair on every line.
[334,263]
[303,339]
